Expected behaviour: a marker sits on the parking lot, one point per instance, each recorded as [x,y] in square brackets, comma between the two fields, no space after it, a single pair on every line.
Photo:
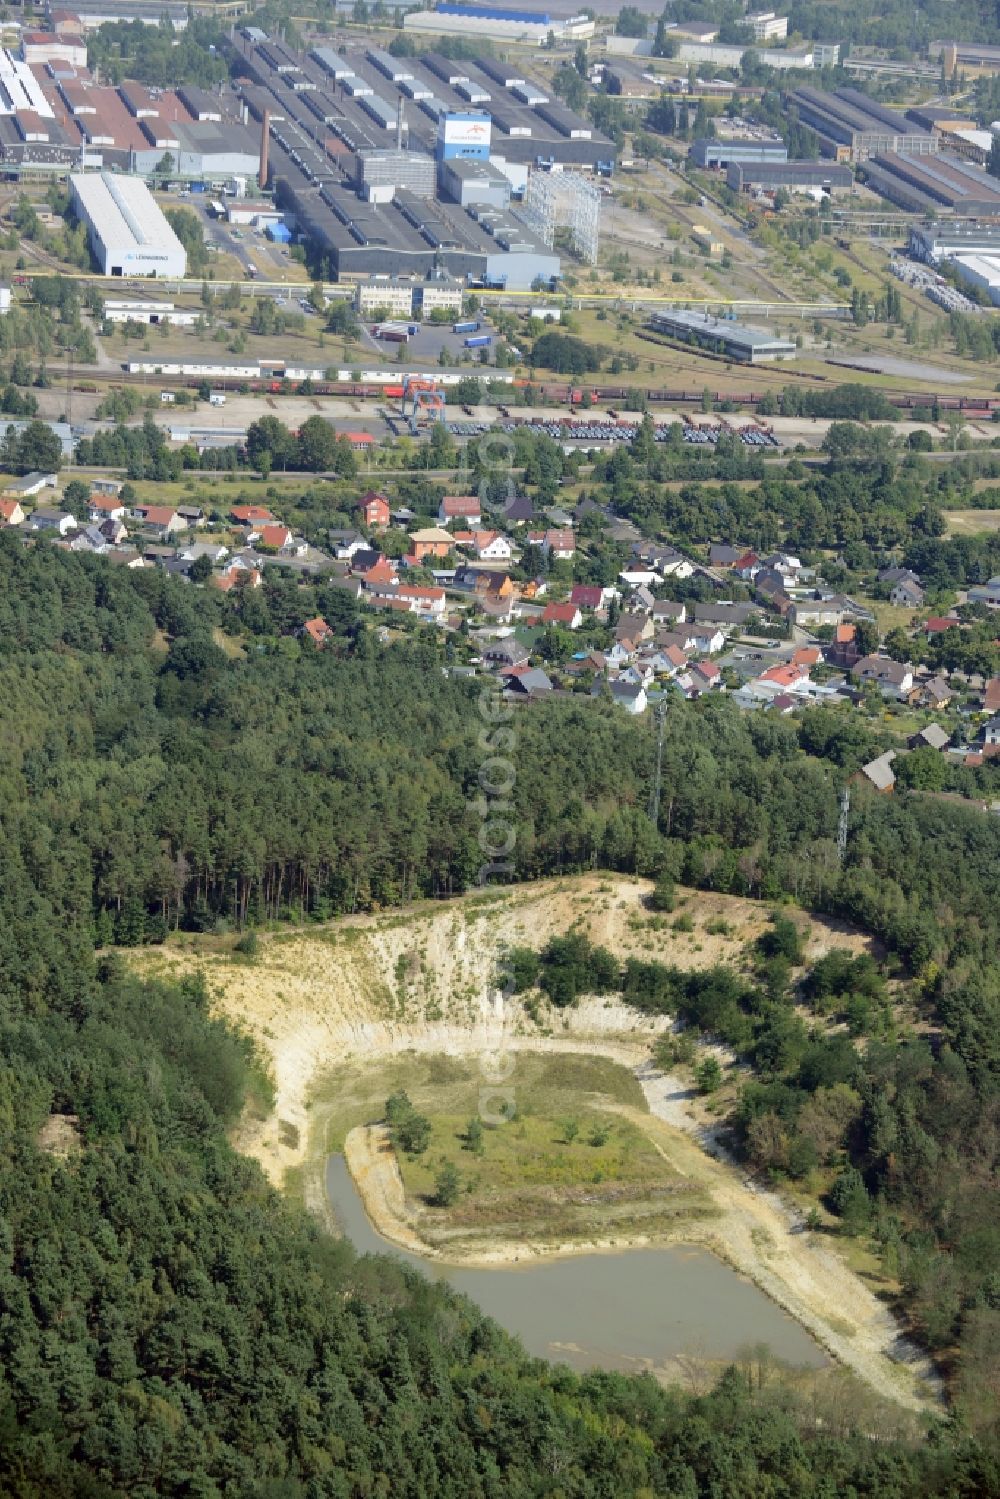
[607,433]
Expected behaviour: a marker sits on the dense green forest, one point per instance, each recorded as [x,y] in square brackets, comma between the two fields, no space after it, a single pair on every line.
[167,1325]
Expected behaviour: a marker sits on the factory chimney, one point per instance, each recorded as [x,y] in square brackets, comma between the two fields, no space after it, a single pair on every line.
[399,124]
[265,139]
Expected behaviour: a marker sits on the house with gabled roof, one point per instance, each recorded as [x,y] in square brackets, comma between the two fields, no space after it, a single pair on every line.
[466,509]
[893,678]
[567,616]
[318,631]
[11,513]
[251,515]
[102,507]
[879,773]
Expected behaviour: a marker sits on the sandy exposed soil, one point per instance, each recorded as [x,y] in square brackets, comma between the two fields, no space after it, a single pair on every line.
[424,981]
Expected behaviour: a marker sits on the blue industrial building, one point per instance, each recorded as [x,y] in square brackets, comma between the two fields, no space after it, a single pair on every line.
[464,135]
[496,13]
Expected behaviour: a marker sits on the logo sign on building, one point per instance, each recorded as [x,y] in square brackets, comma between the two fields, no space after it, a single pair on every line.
[465,130]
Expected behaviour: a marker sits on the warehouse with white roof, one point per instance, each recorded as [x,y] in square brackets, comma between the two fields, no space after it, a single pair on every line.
[128,233]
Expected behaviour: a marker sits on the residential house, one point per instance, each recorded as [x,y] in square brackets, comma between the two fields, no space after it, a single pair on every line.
[492,546]
[675,659]
[114,531]
[731,618]
[429,603]
[160,520]
[634,628]
[192,515]
[60,521]
[620,654]
[706,639]
[705,675]
[462,508]
[747,567]
[30,485]
[567,616]
[933,736]
[820,611]
[843,651]
[879,773]
[89,540]
[107,486]
[807,656]
[124,557]
[987,593]
[665,561]
[639,577]
[559,544]
[785,675]
[431,541]
[768,584]
[505,653]
[906,594]
[894,575]
[587,596]
[251,516]
[101,507]
[375,510]
[346,544]
[628,695]
[785,564]
[318,631]
[893,678]
[360,442]
[275,538]
[991,696]
[519,511]
[11,513]
[240,577]
[667,612]
[991,734]
[938,624]
[526,682]
[721,554]
[936,693]
[215,553]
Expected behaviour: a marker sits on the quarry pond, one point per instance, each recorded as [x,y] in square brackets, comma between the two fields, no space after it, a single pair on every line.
[638,1309]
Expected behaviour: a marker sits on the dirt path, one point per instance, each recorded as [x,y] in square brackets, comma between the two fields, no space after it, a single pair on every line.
[422,981]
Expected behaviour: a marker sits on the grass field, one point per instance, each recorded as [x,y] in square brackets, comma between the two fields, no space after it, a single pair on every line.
[574,1160]
[971,522]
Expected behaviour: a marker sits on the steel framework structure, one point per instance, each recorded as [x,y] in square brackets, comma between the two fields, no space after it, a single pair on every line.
[563,199]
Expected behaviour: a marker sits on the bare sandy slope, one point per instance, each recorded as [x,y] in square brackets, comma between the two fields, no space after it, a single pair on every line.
[424,981]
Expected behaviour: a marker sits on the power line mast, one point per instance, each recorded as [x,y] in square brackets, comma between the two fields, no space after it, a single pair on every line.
[654,797]
[845,809]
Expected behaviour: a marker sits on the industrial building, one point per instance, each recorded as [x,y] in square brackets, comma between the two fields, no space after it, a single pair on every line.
[981,272]
[424,184]
[852,127]
[970,57]
[722,153]
[128,233]
[788,176]
[738,341]
[933,184]
[469,182]
[500,23]
[939,241]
